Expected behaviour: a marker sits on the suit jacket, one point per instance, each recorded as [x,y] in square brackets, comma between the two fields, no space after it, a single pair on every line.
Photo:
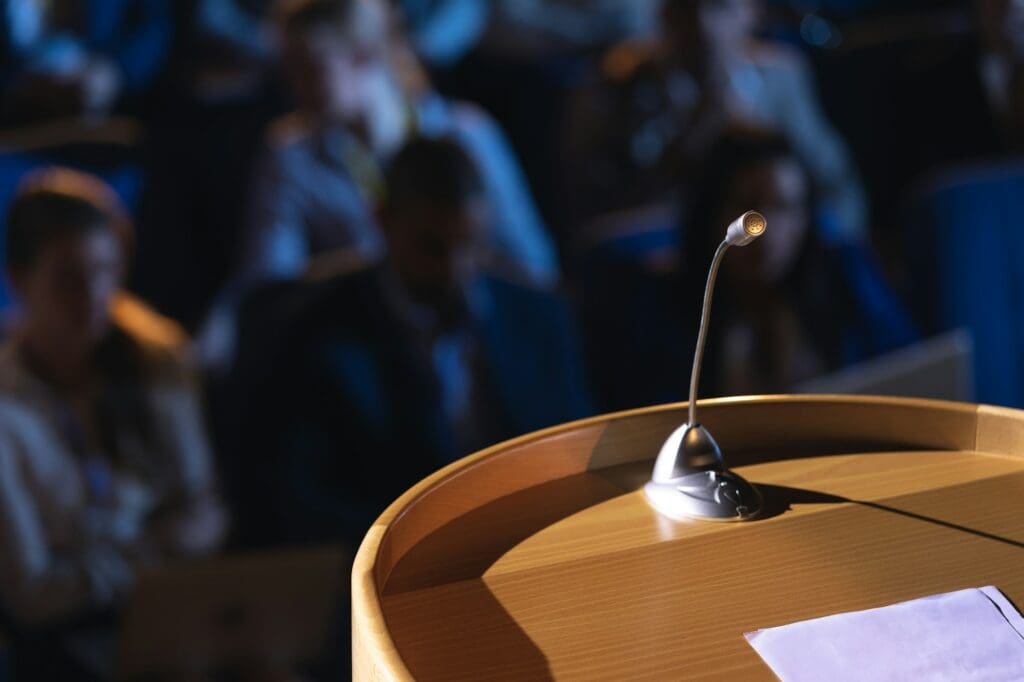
[349,414]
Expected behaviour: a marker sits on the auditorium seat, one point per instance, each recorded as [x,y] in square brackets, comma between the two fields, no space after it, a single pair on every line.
[966,258]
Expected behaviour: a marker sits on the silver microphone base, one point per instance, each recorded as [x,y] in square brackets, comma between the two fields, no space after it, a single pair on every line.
[709,495]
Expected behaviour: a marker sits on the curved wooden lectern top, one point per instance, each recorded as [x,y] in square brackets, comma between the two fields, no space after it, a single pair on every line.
[539,558]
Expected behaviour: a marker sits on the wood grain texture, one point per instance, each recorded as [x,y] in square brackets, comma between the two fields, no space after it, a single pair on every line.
[540,558]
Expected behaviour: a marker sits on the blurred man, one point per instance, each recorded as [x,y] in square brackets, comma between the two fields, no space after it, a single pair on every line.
[105,469]
[389,371]
[360,96]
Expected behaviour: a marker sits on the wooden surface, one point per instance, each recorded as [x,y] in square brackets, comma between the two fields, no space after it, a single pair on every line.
[540,558]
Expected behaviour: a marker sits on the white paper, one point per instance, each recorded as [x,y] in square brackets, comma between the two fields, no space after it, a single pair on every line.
[969,635]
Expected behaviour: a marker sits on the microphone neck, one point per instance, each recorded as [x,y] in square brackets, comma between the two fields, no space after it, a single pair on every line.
[702,335]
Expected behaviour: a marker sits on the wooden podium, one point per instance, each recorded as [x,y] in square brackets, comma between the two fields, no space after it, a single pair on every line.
[539,558]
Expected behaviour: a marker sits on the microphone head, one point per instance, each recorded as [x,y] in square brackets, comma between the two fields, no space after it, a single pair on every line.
[745,229]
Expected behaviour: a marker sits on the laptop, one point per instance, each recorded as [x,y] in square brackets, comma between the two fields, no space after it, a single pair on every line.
[941,367]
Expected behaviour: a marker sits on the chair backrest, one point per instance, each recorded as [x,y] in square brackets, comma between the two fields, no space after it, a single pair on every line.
[967,261]
[629,264]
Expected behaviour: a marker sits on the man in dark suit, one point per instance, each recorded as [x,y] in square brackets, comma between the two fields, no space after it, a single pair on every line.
[391,370]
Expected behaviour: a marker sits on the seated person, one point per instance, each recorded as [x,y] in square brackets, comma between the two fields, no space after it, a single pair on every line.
[360,96]
[790,305]
[391,370]
[104,465]
[661,105]
[79,58]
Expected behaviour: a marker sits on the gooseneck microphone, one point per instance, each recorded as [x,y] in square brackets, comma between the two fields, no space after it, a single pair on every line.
[741,232]
[690,478]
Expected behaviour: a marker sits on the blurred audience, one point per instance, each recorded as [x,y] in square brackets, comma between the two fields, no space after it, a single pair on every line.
[79,57]
[104,464]
[662,104]
[791,305]
[376,249]
[391,370]
[372,242]
[360,96]
[528,60]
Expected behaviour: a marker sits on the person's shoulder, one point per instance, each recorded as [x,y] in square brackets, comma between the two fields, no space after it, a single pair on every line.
[164,346]
[16,391]
[20,417]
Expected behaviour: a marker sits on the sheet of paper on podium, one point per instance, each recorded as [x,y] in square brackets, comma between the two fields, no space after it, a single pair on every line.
[972,634]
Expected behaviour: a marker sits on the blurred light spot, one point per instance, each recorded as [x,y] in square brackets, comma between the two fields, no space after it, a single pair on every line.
[819,32]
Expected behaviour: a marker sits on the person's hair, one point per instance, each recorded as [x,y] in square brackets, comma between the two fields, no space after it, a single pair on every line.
[813,289]
[297,17]
[54,203]
[431,169]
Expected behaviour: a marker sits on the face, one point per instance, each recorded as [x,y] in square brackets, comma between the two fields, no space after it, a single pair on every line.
[327,76]
[712,27]
[68,290]
[436,248]
[779,190]
[332,70]
[1001,24]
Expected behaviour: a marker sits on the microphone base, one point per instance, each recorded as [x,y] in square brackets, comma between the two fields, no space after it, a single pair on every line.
[709,495]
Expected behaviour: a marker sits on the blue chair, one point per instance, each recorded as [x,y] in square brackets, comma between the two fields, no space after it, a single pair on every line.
[966,258]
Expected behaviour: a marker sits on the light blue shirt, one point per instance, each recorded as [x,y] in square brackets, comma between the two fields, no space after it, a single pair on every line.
[305,201]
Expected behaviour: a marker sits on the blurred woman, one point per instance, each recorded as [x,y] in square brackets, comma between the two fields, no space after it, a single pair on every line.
[104,464]
[661,104]
[792,304]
